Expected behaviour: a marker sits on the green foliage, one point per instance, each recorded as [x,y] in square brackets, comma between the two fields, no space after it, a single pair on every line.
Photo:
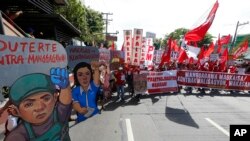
[95,26]
[157,43]
[88,21]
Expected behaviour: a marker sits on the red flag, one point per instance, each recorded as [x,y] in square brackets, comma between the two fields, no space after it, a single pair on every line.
[243,48]
[225,39]
[175,46]
[122,49]
[219,45]
[201,54]
[223,60]
[166,55]
[210,50]
[191,60]
[183,56]
[199,32]
[112,47]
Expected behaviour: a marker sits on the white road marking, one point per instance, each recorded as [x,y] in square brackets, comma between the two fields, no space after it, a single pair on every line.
[129,130]
[218,126]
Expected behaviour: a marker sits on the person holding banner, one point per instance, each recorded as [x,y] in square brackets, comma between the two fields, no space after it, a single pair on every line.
[87,81]
[35,101]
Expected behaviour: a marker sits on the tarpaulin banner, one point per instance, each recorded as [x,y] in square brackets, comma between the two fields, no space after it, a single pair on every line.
[160,82]
[215,80]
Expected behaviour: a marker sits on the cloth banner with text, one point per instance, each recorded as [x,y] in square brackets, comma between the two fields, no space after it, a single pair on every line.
[160,82]
[128,46]
[21,56]
[137,44]
[215,80]
[77,54]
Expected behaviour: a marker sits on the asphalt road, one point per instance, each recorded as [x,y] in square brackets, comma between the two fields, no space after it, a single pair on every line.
[166,117]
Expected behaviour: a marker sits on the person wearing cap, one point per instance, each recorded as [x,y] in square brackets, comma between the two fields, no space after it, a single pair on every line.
[87,83]
[120,82]
[30,32]
[43,113]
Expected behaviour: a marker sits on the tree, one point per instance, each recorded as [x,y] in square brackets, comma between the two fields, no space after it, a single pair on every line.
[95,26]
[157,43]
[88,21]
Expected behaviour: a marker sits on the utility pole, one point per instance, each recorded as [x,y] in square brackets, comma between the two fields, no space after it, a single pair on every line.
[235,34]
[107,21]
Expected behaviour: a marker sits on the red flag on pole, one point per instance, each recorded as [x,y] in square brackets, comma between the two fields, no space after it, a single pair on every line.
[166,55]
[174,46]
[113,45]
[225,39]
[201,54]
[183,56]
[210,50]
[243,48]
[199,32]
[122,49]
[219,44]
[223,60]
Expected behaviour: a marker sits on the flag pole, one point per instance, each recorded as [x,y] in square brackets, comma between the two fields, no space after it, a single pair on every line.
[235,34]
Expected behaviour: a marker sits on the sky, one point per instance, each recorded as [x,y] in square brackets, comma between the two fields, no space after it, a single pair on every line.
[164,16]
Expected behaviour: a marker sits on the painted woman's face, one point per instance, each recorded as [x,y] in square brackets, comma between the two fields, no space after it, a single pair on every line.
[84,77]
[36,109]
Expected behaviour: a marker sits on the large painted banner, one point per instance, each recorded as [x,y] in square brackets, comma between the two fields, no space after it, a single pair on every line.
[104,55]
[22,56]
[215,80]
[77,54]
[140,83]
[160,82]
[117,59]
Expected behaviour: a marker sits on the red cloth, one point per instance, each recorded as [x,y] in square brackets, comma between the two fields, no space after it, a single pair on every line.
[225,39]
[199,32]
[232,69]
[210,50]
[183,56]
[119,75]
[243,48]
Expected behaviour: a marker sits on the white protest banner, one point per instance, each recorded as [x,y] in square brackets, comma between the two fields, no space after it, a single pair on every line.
[137,47]
[174,55]
[160,82]
[104,55]
[21,56]
[77,54]
[157,56]
[149,56]
[213,57]
[128,46]
[143,51]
